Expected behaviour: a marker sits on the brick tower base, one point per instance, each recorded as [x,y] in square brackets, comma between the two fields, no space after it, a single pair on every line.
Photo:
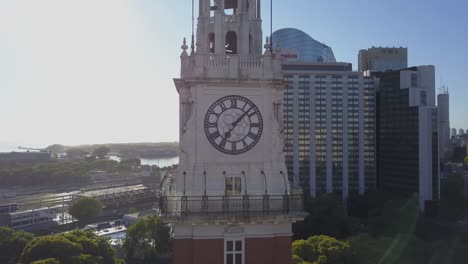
[273,250]
[208,244]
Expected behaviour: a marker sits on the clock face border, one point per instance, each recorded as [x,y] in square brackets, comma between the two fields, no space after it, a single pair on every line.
[250,137]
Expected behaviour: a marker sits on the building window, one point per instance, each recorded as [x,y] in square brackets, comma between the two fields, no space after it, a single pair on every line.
[414,80]
[423,98]
[233,186]
[234,251]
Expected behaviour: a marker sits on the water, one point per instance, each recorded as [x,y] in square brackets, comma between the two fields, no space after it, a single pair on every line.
[6,147]
[164,162]
[118,235]
[161,162]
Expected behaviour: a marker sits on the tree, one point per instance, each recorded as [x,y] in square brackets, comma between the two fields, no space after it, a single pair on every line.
[12,244]
[101,152]
[465,161]
[147,240]
[452,200]
[76,153]
[132,162]
[85,209]
[327,216]
[321,250]
[46,261]
[76,247]
[459,153]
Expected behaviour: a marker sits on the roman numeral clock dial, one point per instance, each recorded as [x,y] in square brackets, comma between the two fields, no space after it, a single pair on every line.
[233,125]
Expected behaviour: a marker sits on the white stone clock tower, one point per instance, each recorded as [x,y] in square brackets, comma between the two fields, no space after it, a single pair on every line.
[232,201]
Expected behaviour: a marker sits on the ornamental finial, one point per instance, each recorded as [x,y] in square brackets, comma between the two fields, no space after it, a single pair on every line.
[267,45]
[184,45]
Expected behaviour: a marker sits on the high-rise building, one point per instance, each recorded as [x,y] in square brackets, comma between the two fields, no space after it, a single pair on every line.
[461,132]
[382,59]
[444,123]
[303,47]
[407,133]
[454,133]
[231,202]
[329,114]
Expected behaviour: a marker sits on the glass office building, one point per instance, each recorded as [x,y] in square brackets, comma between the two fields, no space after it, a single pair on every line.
[329,114]
[407,133]
[307,48]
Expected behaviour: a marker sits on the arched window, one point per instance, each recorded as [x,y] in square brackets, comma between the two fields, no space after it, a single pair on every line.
[211,42]
[231,42]
[212,7]
[250,43]
[230,7]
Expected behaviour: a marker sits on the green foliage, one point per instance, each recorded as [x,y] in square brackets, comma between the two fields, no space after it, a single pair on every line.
[131,162]
[46,261]
[12,244]
[398,216]
[459,153]
[101,152]
[465,160]
[85,209]
[327,216]
[452,201]
[147,240]
[60,172]
[76,247]
[321,250]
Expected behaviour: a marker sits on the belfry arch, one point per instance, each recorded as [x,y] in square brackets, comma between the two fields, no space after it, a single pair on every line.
[231,42]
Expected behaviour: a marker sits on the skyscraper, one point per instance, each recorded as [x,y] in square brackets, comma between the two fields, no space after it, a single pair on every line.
[407,133]
[382,59]
[329,114]
[444,123]
[306,48]
[454,133]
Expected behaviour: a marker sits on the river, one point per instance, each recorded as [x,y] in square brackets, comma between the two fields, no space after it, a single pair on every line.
[161,162]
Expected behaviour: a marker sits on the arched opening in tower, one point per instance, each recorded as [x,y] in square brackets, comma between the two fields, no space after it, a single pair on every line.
[213,7]
[231,42]
[250,43]
[211,42]
[230,7]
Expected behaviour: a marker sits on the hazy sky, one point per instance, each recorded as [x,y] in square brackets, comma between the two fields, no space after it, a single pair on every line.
[98,71]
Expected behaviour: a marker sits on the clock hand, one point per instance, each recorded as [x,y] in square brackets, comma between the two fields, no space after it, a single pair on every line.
[228,134]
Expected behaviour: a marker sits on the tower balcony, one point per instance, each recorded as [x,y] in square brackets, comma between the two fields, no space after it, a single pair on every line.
[243,67]
[223,208]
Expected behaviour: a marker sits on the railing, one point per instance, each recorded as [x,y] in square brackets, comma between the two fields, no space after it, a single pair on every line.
[246,61]
[245,205]
[250,61]
[219,60]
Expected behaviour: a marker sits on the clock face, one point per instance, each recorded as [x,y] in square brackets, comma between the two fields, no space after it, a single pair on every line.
[233,124]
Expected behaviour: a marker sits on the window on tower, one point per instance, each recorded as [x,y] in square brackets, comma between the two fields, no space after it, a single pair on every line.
[230,4]
[211,42]
[213,7]
[231,42]
[233,186]
[234,251]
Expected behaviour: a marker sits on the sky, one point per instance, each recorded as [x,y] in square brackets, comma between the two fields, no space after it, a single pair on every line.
[100,71]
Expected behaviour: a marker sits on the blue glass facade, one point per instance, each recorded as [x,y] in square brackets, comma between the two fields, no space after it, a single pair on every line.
[308,49]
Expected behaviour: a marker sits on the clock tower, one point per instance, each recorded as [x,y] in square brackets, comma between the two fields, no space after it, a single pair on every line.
[231,200]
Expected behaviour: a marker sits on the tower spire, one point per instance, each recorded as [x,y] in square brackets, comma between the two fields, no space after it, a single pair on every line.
[192,46]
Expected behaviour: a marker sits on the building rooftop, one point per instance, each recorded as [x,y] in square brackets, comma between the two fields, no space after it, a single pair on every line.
[307,48]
